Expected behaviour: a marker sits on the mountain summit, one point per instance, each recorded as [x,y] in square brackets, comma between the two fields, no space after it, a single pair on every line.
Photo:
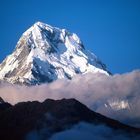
[45,53]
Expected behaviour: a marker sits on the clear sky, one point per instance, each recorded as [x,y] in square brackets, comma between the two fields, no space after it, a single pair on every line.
[109,28]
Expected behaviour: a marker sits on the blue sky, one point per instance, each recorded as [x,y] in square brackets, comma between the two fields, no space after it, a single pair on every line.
[109,28]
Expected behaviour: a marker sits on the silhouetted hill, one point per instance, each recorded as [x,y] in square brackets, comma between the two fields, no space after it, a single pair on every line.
[55,115]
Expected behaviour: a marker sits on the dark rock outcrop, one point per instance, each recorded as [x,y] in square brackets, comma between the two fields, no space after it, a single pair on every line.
[55,115]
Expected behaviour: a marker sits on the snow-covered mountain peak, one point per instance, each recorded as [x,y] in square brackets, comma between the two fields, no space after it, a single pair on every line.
[45,53]
[40,35]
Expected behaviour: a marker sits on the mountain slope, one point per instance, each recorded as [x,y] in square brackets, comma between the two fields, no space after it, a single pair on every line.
[28,119]
[45,53]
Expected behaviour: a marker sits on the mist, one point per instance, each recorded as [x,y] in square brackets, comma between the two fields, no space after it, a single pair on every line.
[87,131]
[116,96]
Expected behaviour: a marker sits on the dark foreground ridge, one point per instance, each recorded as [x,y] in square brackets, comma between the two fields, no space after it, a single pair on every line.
[56,115]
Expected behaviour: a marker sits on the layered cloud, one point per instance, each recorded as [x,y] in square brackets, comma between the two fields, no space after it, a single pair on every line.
[115,96]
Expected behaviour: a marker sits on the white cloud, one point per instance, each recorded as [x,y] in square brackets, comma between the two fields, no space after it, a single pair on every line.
[94,90]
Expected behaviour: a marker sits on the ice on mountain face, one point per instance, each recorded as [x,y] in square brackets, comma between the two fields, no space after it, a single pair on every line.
[117,104]
[45,53]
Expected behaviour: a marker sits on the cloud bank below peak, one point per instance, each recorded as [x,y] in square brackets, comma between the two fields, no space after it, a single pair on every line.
[114,96]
